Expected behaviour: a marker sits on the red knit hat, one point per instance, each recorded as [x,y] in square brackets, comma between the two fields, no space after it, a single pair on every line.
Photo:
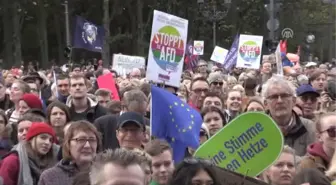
[38,128]
[32,101]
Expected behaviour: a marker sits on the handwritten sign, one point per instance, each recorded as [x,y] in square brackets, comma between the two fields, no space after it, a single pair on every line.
[250,143]
[219,54]
[124,64]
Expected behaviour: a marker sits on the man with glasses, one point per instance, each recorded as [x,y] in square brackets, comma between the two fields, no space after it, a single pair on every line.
[202,68]
[216,83]
[307,99]
[199,87]
[131,130]
[279,95]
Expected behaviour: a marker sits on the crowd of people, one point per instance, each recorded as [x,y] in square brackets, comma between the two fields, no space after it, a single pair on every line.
[57,127]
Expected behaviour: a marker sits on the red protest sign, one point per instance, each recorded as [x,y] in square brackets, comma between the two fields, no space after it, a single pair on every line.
[107,82]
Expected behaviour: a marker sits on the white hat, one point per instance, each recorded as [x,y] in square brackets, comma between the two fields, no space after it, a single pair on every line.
[310,64]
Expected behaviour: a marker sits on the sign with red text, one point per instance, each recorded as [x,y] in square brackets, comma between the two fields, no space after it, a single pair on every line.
[249,51]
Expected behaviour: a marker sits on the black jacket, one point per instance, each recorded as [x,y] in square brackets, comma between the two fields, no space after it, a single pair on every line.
[94,111]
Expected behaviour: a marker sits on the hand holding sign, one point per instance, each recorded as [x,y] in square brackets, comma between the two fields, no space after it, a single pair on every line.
[251,142]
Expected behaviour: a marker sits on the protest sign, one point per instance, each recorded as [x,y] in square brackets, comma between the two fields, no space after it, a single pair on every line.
[198,47]
[249,51]
[107,82]
[124,64]
[249,144]
[167,49]
[219,54]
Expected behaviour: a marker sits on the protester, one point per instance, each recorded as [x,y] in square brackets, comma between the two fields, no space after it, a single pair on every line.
[214,119]
[80,104]
[26,162]
[162,161]
[5,142]
[29,101]
[81,144]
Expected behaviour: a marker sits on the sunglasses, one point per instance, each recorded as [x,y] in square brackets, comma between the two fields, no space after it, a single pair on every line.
[331,132]
[193,160]
[217,83]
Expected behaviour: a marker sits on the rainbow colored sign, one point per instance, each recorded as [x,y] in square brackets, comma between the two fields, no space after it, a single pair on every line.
[249,51]
[167,49]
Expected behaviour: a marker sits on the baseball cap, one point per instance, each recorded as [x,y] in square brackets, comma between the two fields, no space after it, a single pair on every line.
[131,117]
[306,88]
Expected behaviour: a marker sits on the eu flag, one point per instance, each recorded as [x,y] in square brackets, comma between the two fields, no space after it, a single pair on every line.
[175,121]
[88,35]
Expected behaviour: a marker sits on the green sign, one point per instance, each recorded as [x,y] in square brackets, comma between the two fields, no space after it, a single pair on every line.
[248,145]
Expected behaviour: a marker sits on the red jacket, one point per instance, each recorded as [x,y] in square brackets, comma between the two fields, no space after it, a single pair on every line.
[9,169]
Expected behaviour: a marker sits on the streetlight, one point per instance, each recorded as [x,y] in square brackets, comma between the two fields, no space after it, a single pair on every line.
[209,10]
[310,39]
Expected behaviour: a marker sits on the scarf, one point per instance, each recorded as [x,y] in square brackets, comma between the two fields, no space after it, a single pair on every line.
[24,176]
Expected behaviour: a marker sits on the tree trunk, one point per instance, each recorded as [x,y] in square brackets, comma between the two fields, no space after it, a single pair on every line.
[141,30]
[17,58]
[42,18]
[8,33]
[106,21]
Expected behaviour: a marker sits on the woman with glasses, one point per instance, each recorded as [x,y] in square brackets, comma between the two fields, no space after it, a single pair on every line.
[194,171]
[319,154]
[81,144]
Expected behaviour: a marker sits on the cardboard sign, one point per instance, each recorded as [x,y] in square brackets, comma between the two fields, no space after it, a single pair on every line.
[249,144]
[107,82]
[124,64]
[198,47]
[249,51]
[219,55]
[167,49]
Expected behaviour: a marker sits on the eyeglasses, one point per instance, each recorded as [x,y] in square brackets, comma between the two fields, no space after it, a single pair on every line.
[276,96]
[82,141]
[192,161]
[331,132]
[217,83]
[311,98]
[199,91]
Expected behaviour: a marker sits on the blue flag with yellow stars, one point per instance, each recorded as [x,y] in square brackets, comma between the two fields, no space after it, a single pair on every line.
[175,121]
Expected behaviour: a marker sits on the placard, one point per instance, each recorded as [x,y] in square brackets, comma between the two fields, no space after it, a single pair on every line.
[219,54]
[124,64]
[198,48]
[167,49]
[249,144]
[249,51]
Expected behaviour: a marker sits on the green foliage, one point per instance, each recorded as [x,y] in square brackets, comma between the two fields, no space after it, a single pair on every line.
[130,34]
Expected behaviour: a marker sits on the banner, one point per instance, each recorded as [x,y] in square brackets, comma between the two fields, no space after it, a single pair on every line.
[248,144]
[190,59]
[167,49]
[231,58]
[250,47]
[124,64]
[88,35]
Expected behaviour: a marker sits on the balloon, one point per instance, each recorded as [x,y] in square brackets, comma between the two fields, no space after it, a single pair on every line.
[293,57]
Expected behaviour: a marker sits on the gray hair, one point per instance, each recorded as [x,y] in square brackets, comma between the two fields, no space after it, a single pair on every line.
[277,80]
[118,156]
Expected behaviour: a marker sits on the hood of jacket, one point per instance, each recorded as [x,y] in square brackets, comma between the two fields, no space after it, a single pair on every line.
[316,149]
[91,98]
[68,167]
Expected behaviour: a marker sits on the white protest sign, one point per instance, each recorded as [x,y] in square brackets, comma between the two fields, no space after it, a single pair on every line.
[249,51]
[167,49]
[198,47]
[219,54]
[124,64]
